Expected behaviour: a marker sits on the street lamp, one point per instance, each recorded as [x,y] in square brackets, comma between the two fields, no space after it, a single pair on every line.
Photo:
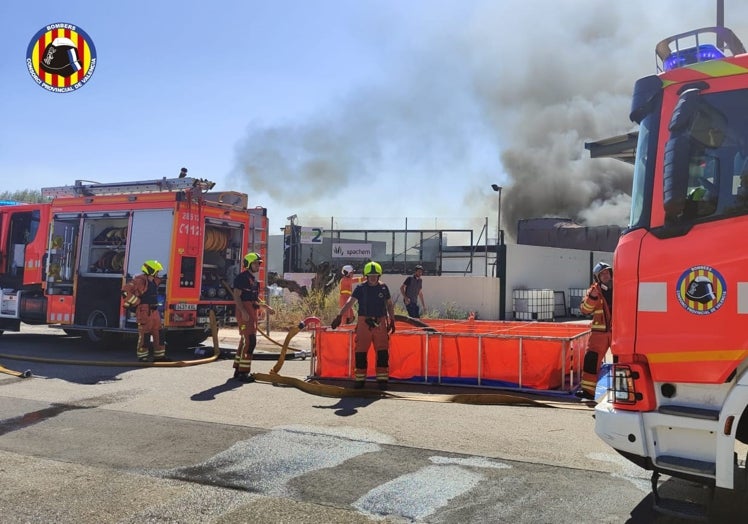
[498,189]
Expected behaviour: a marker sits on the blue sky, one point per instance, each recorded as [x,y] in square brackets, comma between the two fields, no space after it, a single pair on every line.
[365,111]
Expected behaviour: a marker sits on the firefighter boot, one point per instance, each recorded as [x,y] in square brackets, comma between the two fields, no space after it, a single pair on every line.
[159,348]
[383,370]
[584,395]
[143,354]
[360,371]
[589,375]
[243,376]
[159,355]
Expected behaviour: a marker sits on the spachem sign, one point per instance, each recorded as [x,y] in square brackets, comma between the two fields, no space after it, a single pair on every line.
[362,251]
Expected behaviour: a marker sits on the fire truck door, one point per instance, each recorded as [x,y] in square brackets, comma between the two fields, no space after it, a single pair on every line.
[150,239]
[21,227]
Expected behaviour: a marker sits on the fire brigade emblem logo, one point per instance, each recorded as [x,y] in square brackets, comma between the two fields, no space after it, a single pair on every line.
[701,290]
[61,58]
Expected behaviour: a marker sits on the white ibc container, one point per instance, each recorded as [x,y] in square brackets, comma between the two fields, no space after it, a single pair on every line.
[533,304]
[575,299]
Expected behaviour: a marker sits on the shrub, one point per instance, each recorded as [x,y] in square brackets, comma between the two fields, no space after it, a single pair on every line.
[453,311]
[289,312]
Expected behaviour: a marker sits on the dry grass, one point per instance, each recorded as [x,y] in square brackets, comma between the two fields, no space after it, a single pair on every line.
[289,311]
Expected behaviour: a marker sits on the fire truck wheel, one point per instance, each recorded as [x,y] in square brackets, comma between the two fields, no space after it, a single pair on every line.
[96,319]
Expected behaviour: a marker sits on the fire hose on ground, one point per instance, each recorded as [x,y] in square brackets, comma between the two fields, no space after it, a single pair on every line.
[313,387]
[14,373]
[126,363]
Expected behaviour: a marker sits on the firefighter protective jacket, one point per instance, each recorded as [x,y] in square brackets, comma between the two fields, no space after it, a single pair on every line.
[594,304]
[133,292]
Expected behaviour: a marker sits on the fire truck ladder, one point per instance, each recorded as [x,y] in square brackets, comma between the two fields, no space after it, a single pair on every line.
[88,188]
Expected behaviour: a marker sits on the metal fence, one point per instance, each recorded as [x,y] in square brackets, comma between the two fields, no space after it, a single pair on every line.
[397,250]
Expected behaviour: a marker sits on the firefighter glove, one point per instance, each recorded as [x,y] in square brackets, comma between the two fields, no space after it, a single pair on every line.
[336,322]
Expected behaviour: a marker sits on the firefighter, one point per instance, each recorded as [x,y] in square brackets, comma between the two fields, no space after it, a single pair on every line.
[376,322]
[141,293]
[598,302]
[346,288]
[248,303]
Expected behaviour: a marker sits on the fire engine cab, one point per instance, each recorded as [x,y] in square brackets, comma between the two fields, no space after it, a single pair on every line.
[677,398]
[64,262]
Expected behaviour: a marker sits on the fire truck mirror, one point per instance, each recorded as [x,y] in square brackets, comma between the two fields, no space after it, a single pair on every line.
[675,178]
[647,92]
[687,106]
[694,116]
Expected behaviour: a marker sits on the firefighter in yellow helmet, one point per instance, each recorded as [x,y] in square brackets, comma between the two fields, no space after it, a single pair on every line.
[248,303]
[598,302]
[376,322]
[141,293]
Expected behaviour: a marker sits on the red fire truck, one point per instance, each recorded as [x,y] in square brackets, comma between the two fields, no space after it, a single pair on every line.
[677,401]
[64,262]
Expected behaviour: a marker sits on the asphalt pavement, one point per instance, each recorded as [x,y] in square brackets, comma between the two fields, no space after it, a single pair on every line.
[100,444]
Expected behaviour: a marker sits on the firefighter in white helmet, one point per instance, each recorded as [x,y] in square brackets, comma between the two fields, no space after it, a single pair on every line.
[346,288]
[141,293]
[376,322]
[598,302]
[248,304]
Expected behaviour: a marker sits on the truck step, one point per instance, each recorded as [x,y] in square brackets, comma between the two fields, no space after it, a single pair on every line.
[698,467]
[689,411]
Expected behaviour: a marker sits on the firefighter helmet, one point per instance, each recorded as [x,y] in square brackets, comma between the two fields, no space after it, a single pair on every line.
[372,268]
[599,268]
[252,257]
[698,194]
[61,58]
[700,290]
[151,267]
[347,270]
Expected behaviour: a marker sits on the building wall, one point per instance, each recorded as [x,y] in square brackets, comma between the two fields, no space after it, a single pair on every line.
[443,294]
[454,294]
[533,267]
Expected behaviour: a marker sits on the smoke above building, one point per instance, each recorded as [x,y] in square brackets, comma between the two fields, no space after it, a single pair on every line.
[508,93]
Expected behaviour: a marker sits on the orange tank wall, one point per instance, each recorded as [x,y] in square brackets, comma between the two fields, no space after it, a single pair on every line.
[485,353]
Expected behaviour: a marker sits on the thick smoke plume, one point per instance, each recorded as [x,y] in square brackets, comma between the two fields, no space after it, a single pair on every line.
[508,94]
